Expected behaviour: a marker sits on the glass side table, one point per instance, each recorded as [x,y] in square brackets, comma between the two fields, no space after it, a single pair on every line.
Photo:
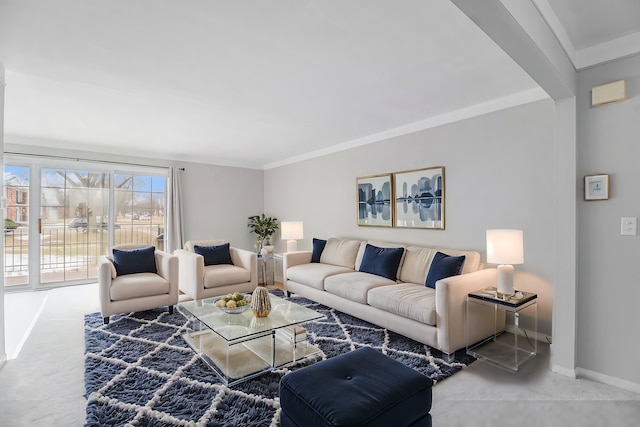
[266,269]
[510,348]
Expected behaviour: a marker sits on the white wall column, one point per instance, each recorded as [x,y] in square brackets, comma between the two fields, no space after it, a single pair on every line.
[519,29]
[563,348]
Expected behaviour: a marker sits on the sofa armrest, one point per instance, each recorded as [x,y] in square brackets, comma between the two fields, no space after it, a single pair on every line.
[289,259]
[104,279]
[168,268]
[190,272]
[247,260]
[451,300]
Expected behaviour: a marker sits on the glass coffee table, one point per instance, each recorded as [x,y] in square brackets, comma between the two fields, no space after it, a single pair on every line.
[240,346]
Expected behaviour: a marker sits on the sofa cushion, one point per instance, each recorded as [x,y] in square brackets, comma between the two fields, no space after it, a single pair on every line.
[214,255]
[443,266]
[224,274]
[354,286]
[381,261]
[137,285]
[142,260]
[314,274]
[340,252]
[318,247]
[407,300]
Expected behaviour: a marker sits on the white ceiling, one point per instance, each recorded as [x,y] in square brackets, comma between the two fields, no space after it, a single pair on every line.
[594,31]
[259,83]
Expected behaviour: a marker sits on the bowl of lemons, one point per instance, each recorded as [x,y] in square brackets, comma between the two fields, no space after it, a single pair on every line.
[233,303]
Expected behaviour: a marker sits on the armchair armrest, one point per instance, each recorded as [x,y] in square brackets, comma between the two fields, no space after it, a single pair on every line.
[105,267]
[247,260]
[190,272]
[168,268]
[451,300]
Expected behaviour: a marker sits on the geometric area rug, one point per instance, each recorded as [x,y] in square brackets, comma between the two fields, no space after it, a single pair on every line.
[140,372]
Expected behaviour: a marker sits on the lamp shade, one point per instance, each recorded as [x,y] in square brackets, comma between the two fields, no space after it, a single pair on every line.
[292,230]
[505,247]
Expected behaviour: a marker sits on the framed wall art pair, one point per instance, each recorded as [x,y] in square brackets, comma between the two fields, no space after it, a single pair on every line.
[407,199]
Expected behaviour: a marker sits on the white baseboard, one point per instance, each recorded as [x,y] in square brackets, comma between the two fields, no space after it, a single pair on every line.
[567,372]
[606,379]
[3,359]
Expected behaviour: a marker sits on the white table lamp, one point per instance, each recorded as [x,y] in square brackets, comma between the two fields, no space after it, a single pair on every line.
[505,247]
[291,232]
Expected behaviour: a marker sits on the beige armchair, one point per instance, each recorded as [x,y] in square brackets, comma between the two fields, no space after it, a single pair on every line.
[137,291]
[199,281]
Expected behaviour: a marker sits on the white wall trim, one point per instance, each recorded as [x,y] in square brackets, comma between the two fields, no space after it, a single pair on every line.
[606,379]
[552,20]
[509,101]
[613,50]
[567,372]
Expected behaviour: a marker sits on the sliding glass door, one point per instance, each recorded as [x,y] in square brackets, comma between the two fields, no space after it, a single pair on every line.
[74,223]
[82,211]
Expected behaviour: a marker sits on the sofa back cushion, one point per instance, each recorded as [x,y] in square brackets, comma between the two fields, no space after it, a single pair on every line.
[340,252]
[417,260]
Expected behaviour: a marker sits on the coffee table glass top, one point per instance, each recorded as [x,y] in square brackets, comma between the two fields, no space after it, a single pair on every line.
[245,325]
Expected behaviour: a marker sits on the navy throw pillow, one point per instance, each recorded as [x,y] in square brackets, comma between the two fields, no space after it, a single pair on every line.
[381,261]
[132,261]
[443,266]
[318,247]
[214,255]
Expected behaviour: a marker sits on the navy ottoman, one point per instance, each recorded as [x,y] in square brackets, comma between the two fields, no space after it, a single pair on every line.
[360,388]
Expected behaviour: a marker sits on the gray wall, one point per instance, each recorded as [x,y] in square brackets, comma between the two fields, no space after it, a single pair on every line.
[498,174]
[608,275]
[217,199]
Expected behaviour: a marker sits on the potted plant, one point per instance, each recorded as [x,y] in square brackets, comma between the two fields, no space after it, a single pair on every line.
[264,227]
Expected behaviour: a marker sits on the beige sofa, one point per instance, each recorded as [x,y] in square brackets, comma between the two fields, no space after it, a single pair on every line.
[435,317]
[199,281]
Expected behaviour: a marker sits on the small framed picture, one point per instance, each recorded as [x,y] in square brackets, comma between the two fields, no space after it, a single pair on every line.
[596,187]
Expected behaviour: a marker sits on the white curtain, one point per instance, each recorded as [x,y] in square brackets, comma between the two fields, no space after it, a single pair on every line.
[175,230]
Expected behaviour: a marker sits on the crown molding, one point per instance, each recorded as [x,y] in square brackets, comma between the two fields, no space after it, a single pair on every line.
[520,98]
[613,50]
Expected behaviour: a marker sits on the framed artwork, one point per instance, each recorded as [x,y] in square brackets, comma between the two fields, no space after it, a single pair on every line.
[596,187]
[419,198]
[374,201]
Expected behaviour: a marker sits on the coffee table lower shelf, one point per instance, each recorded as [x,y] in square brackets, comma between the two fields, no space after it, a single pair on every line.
[241,360]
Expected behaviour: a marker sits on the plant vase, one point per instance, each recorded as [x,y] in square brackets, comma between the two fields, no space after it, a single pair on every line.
[260,302]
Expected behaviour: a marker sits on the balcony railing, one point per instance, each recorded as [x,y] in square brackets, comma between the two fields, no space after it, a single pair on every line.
[69,253]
